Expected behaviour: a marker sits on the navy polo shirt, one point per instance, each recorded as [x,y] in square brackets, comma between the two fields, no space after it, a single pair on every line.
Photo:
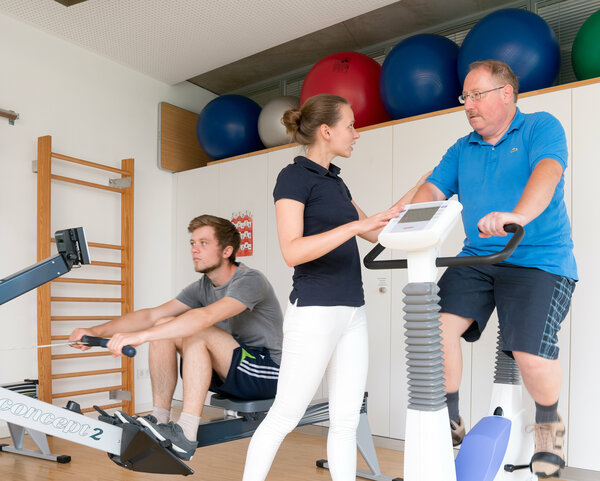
[335,278]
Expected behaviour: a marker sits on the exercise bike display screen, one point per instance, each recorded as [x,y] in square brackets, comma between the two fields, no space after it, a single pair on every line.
[418,215]
[420,226]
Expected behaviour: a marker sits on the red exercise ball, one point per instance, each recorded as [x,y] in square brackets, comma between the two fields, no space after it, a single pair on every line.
[351,75]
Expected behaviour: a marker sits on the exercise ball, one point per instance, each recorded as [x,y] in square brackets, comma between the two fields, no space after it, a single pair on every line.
[228,126]
[271,130]
[519,38]
[351,75]
[585,54]
[419,75]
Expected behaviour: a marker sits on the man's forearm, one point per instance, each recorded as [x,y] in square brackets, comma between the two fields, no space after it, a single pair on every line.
[539,189]
[132,321]
[428,193]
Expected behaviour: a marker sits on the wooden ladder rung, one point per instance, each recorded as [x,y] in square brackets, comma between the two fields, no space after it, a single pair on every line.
[98,244]
[59,338]
[78,280]
[87,373]
[106,246]
[70,180]
[107,264]
[86,391]
[86,299]
[75,160]
[83,318]
[105,407]
[82,355]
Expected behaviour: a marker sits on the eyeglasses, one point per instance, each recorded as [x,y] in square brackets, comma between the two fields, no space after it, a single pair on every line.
[476,96]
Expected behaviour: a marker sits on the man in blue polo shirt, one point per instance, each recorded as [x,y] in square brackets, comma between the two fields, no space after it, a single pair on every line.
[509,170]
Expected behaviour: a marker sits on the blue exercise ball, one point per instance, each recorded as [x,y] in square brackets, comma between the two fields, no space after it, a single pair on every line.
[519,38]
[419,75]
[228,126]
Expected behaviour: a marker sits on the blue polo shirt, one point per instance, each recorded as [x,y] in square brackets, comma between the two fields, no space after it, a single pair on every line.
[335,278]
[491,178]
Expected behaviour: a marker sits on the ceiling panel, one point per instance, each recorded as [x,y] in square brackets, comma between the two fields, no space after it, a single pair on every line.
[177,39]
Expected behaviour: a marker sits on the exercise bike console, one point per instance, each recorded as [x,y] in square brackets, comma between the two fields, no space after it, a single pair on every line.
[422,226]
[419,231]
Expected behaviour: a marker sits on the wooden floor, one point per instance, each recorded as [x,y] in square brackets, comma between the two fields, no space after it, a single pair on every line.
[295,461]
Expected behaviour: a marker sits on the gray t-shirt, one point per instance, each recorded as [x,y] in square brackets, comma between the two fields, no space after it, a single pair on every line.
[260,325]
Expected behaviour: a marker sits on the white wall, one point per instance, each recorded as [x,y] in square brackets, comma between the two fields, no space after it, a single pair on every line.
[97,110]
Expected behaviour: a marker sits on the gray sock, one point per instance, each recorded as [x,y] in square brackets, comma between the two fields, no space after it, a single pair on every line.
[162,415]
[189,423]
[452,401]
[546,414]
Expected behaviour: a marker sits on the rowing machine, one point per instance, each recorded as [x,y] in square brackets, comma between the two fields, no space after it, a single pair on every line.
[128,443]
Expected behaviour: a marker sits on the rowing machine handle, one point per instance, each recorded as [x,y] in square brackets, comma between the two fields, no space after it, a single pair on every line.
[516,229]
[129,351]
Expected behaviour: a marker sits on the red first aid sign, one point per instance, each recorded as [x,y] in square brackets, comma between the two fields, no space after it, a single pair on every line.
[243,223]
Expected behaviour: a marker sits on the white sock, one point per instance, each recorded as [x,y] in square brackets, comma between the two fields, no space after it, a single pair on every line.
[189,423]
[162,415]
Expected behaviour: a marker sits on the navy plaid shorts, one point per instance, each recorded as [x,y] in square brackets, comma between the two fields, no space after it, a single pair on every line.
[531,304]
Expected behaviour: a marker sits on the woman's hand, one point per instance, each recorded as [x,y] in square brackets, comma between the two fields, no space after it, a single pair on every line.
[378,221]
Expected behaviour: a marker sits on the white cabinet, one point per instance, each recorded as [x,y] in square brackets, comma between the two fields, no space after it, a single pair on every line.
[278,272]
[243,190]
[418,148]
[584,369]
[366,174]
[196,193]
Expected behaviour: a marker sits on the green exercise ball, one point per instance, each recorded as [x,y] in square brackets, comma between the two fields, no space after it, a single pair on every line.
[585,54]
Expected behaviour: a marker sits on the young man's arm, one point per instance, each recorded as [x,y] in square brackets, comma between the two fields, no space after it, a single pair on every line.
[184,325]
[133,321]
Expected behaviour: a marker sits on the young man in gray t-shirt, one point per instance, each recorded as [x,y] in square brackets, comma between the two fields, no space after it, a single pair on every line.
[227,326]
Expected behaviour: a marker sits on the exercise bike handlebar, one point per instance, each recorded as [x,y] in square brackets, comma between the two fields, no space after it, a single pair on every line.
[128,351]
[516,229]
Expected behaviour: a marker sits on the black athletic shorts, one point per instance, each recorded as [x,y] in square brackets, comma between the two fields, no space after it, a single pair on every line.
[252,375]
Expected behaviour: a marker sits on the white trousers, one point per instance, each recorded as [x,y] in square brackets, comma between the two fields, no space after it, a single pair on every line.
[317,340]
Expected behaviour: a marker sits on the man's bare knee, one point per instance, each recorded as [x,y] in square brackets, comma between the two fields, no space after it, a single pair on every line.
[211,336]
[531,363]
[454,326]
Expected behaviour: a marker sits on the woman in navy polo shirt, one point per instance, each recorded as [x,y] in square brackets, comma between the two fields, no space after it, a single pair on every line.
[325,328]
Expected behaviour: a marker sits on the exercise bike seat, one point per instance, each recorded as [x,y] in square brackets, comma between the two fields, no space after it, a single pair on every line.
[241,405]
[482,450]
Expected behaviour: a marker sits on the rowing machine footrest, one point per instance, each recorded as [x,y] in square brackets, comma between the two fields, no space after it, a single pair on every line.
[143,453]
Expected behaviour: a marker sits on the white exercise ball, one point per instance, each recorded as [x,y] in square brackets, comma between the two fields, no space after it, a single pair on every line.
[270,129]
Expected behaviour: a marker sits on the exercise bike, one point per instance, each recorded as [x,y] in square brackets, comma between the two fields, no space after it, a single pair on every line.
[497,447]
[128,443]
